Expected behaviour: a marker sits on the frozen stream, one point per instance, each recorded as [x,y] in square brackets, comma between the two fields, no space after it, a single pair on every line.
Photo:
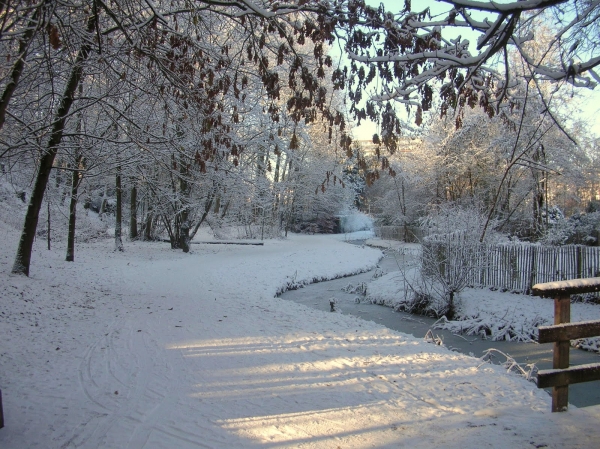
[318,296]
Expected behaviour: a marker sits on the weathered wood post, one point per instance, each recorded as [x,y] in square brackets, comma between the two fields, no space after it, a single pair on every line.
[561,375]
[560,359]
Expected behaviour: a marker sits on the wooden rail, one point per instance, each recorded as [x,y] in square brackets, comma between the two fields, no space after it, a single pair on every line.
[563,331]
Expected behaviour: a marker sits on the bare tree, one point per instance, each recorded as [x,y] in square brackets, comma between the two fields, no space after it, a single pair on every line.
[173,55]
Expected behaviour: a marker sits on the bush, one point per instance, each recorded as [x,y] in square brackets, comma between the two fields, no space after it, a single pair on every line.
[579,229]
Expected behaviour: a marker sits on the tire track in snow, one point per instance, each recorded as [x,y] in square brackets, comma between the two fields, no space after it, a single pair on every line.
[87,380]
[158,389]
[148,393]
[121,378]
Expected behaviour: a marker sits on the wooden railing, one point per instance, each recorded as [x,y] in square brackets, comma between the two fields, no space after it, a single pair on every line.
[563,331]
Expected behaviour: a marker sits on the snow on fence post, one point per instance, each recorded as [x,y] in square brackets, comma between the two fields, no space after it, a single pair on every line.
[561,375]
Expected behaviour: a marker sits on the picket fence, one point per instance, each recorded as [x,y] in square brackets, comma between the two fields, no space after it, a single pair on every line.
[513,267]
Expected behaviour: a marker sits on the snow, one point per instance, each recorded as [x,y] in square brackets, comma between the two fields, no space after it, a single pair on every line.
[154,348]
[355,221]
[581,285]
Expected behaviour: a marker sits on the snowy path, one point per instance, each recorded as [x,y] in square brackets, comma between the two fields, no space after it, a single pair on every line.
[157,349]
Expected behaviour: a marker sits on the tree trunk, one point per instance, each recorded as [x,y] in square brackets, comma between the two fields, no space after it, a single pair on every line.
[104,202]
[76,180]
[23,256]
[276,189]
[539,189]
[184,192]
[217,205]
[225,209]
[118,211]
[207,206]
[133,232]
[184,236]
[148,224]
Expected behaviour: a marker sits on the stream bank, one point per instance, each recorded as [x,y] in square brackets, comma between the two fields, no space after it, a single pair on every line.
[320,295]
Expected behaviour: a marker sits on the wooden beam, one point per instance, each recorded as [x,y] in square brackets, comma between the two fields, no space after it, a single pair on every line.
[573,375]
[562,315]
[560,398]
[582,329]
[560,360]
[571,287]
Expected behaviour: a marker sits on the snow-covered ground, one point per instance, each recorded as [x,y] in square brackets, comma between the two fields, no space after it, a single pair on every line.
[154,348]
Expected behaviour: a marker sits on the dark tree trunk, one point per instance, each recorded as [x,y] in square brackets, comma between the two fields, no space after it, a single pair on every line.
[148,225]
[207,206]
[133,224]
[184,236]
[76,180]
[104,202]
[451,309]
[538,193]
[217,205]
[118,211]
[184,191]
[23,256]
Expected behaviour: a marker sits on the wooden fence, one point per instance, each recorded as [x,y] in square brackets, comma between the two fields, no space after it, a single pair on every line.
[514,268]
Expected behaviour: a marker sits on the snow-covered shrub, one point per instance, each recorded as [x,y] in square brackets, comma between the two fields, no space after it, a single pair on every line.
[447,264]
[494,328]
[405,291]
[469,221]
[528,370]
[451,252]
[378,273]
[89,225]
[587,344]
[13,202]
[578,229]
[359,289]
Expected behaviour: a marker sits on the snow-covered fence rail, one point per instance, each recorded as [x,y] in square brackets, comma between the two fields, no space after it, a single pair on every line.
[561,375]
[514,267]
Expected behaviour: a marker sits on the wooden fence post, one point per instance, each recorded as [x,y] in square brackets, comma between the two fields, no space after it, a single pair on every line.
[562,314]
[532,268]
